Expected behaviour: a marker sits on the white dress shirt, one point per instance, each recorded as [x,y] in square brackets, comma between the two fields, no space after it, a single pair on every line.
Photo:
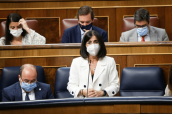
[31,95]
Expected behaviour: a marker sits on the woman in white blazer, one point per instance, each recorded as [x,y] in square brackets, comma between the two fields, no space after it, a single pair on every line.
[103,77]
[168,89]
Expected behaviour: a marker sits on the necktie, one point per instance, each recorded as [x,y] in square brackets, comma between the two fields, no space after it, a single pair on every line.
[143,38]
[27,96]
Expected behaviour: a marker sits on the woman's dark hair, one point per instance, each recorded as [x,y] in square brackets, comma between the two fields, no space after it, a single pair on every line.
[83,51]
[13,17]
[141,15]
[170,79]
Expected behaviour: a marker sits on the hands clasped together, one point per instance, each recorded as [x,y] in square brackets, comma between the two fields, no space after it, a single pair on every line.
[93,93]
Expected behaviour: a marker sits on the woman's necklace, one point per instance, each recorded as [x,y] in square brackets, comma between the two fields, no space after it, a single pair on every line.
[94,69]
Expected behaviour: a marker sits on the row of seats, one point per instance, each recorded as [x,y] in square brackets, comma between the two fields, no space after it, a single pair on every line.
[128,24]
[135,81]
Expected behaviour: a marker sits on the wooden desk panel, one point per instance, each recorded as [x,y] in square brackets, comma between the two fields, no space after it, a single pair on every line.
[84,109]
[156,109]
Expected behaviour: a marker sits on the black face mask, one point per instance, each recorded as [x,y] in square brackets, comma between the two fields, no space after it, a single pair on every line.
[87,27]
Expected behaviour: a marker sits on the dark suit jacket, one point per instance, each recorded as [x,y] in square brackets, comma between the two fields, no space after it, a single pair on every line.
[73,34]
[14,92]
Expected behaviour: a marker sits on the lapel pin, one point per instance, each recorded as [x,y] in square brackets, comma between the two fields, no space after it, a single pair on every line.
[39,89]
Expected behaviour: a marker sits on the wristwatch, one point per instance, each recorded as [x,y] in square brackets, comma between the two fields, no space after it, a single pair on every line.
[104,93]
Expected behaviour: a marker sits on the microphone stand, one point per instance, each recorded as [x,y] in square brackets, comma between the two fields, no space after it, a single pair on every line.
[88,76]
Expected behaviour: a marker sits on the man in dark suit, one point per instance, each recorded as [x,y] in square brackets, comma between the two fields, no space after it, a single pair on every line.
[85,17]
[28,88]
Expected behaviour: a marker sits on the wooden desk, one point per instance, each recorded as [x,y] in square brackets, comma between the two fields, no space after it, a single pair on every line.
[53,56]
[113,105]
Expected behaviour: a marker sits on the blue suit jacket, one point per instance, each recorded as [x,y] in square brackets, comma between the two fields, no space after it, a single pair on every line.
[14,92]
[73,34]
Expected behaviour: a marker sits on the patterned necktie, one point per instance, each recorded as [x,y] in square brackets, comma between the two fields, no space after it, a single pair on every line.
[27,96]
[143,38]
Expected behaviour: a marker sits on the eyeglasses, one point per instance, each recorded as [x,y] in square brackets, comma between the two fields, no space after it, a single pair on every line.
[94,42]
[140,26]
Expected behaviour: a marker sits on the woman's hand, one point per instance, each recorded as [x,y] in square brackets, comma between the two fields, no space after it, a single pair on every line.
[85,31]
[24,25]
[90,92]
[99,93]
[93,93]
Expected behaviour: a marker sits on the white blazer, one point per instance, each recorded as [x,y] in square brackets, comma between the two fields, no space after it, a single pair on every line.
[105,76]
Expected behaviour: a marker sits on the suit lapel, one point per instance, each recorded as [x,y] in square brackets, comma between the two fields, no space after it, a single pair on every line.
[38,92]
[99,69]
[78,34]
[133,38]
[93,28]
[18,93]
[153,36]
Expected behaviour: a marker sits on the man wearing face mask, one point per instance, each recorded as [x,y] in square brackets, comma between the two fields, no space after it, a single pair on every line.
[75,34]
[143,31]
[28,88]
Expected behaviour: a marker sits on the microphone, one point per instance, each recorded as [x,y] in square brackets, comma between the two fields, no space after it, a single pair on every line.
[88,76]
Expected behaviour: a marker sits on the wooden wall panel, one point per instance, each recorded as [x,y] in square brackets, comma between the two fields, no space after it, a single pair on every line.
[160,11]
[5,13]
[49,27]
[50,75]
[104,3]
[121,60]
[71,13]
[168,24]
[112,18]
[148,59]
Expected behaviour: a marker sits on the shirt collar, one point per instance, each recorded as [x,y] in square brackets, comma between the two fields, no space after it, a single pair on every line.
[25,91]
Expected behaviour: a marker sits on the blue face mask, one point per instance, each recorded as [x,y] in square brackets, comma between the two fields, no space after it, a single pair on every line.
[142,31]
[87,27]
[28,87]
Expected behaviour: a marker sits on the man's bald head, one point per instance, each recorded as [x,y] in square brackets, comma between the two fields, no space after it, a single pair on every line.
[27,67]
[28,73]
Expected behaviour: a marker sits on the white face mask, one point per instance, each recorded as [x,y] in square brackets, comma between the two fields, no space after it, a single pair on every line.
[93,49]
[16,33]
